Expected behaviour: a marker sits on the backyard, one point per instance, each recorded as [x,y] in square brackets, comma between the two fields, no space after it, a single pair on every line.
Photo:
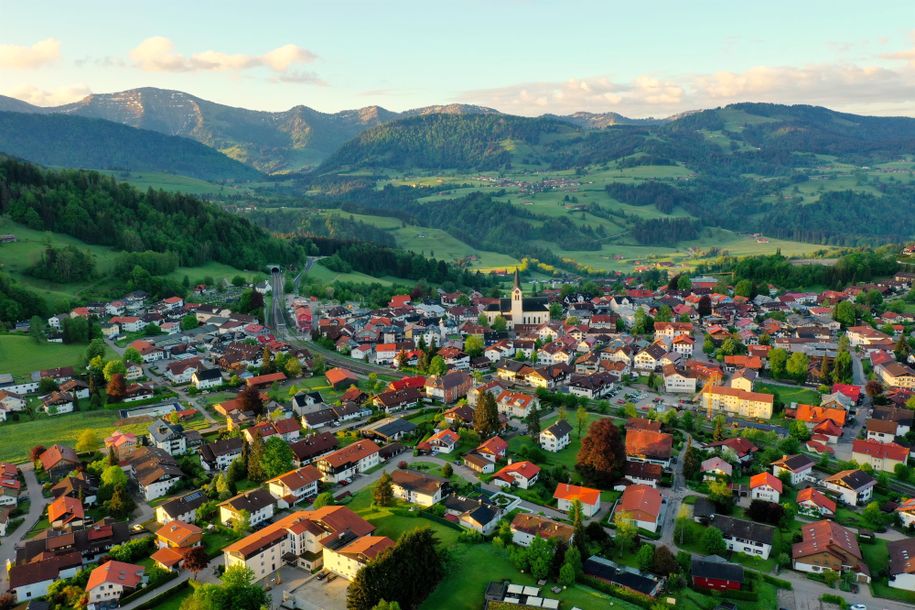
[21,355]
[786,394]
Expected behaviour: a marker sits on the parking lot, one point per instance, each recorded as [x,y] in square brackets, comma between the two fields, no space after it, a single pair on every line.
[304,592]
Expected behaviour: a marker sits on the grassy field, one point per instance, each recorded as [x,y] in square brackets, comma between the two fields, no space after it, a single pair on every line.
[567,456]
[17,438]
[20,355]
[217,271]
[787,395]
[325,275]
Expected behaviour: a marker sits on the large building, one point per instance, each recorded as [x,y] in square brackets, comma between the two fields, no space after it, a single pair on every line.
[519,310]
[332,537]
[733,401]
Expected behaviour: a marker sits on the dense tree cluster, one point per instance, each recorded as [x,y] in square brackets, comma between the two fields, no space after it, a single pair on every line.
[99,210]
[65,265]
[665,231]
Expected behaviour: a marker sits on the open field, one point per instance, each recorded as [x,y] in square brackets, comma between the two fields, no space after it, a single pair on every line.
[217,271]
[17,438]
[323,274]
[20,355]
[787,395]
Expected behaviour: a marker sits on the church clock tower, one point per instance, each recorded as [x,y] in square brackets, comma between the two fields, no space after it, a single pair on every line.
[517,301]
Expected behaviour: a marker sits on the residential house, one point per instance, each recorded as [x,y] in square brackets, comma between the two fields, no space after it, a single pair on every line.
[557,436]
[308,539]
[882,430]
[746,537]
[566,494]
[121,442]
[799,466]
[854,487]
[715,468]
[649,446]
[649,359]
[345,463]
[733,401]
[450,387]
[516,404]
[218,455]
[314,446]
[418,488]
[493,449]
[736,448]
[478,463]
[642,504]
[443,441]
[168,437]
[765,486]
[644,473]
[525,527]
[111,581]
[881,456]
[66,511]
[896,375]
[294,486]
[812,503]
[906,512]
[154,470]
[183,508]
[204,379]
[676,382]
[174,540]
[58,461]
[258,502]
[744,379]
[521,474]
[902,564]
[826,545]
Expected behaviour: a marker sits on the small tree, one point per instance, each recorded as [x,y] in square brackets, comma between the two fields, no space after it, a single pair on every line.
[196,560]
[324,499]
[713,541]
[87,441]
[447,471]
[581,419]
[241,525]
[384,490]
[626,531]
[645,557]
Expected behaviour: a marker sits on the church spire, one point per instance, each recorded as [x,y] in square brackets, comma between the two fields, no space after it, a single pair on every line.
[517,285]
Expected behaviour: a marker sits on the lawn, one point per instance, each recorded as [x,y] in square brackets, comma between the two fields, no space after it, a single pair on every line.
[171,600]
[567,456]
[877,557]
[787,395]
[17,438]
[20,355]
[474,566]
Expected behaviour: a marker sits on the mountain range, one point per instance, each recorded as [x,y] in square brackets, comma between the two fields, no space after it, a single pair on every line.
[271,142]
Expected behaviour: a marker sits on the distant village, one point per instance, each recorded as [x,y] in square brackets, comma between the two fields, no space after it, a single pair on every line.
[687,442]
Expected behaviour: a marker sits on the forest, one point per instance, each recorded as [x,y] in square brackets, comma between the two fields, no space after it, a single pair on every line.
[99,210]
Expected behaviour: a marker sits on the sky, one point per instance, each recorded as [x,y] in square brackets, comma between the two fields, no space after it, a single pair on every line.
[529,57]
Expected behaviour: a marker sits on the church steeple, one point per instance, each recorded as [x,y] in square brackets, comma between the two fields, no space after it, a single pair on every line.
[517,284]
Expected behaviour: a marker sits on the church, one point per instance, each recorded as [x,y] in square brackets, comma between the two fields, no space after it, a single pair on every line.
[519,311]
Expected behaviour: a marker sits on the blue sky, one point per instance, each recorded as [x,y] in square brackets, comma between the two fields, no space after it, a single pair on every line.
[646,58]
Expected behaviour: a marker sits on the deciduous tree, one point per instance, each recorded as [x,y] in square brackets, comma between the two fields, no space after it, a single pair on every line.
[602,453]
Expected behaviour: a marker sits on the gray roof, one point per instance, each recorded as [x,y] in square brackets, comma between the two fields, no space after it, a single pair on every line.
[747,530]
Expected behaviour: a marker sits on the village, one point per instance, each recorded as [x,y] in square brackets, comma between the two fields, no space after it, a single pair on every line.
[686,446]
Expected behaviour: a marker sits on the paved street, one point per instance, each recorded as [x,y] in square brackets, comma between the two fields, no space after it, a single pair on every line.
[36,508]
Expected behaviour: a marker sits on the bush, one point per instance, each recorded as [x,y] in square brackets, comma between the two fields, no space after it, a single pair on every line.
[643,601]
[778,582]
[831,598]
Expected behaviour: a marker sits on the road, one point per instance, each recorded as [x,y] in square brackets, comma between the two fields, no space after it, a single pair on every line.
[36,509]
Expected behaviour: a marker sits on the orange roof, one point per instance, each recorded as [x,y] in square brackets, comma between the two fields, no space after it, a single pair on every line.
[648,443]
[168,556]
[338,375]
[747,362]
[179,533]
[116,573]
[641,502]
[816,414]
[812,495]
[586,495]
[265,379]
[766,478]
[327,519]
[369,547]
[297,479]
[494,445]
[65,505]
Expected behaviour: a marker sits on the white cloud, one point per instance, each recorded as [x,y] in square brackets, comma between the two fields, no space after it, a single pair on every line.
[157,54]
[55,97]
[865,89]
[22,57]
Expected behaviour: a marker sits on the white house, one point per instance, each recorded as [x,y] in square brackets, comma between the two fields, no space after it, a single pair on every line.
[556,437]
[765,486]
[258,502]
[852,486]
[566,494]
[799,466]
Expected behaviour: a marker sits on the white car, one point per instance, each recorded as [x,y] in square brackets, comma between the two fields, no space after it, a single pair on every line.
[857,607]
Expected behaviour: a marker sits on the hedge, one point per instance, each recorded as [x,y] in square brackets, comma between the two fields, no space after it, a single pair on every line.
[168,576]
[778,582]
[831,598]
[157,600]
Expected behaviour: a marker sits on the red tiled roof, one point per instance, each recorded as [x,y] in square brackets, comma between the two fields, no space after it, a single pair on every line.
[641,502]
[567,491]
[116,573]
[812,495]
[766,478]
[880,450]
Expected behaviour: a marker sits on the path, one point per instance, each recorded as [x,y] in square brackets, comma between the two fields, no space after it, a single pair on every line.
[36,509]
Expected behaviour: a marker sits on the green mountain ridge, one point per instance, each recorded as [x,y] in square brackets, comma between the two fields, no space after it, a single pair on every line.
[83,143]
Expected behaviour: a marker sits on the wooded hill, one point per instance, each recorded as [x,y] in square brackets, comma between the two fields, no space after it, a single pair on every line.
[77,142]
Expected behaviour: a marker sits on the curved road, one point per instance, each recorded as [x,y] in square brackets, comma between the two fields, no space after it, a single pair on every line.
[36,509]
